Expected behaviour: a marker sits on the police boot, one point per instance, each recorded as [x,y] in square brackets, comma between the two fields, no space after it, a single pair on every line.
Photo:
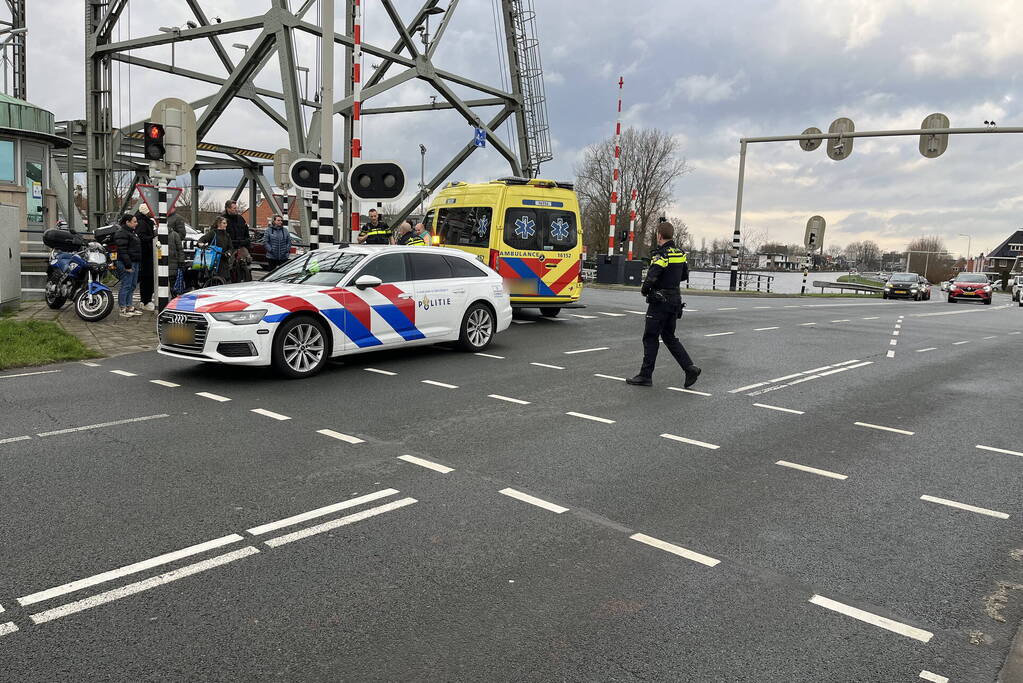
[640,381]
[692,373]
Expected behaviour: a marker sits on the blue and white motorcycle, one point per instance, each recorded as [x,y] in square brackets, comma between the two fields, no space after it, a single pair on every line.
[75,273]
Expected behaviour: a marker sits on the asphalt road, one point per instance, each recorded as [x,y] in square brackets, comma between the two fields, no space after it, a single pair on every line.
[839,498]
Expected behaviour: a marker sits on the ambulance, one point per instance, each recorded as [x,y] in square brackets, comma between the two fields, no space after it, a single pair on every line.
[527,229]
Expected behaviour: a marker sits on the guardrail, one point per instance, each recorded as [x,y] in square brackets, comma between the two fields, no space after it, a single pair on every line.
[846,285]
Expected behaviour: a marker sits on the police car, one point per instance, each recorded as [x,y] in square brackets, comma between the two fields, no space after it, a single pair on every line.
[339,301]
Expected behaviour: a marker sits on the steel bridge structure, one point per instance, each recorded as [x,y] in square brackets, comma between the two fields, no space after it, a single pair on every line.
[100,149]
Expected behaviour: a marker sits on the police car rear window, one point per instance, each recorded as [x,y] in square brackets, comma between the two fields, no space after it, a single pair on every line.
[463,268]
[531,229]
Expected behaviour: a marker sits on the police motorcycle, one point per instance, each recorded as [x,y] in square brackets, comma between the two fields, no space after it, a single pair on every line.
[75,273]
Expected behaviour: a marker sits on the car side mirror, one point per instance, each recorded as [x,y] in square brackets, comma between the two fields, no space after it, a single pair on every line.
[367,281]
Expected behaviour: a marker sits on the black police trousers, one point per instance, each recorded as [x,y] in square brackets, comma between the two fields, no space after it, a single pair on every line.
[660,322]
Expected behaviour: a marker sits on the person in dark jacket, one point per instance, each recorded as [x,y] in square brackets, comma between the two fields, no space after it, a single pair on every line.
[146,232]
[668,268]
[376,231]
[277,241]
[176,250]
[218,236]
[238,230]
[129,257]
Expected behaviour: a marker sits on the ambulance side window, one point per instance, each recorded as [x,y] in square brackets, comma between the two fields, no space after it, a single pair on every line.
[465,226]
[428,219]
[559,229]
[522,229]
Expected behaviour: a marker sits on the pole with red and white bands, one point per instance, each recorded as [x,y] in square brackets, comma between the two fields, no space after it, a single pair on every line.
[632,219]
[356,104]
[617,172]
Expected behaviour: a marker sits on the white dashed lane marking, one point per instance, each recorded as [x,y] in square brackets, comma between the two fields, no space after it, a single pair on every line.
[693,442]
[212,397]
[533,500]
[123,373]
[689,391]
[718,334]
[91,365]
[584,317]
[929,348]
[381,372]
[15,438]
[29,374]
[728,309]
[596,348]
[335,523]
[127,570]
[811,470]
[748,387]
[428,464]
[339,436]
[882,428]
[675,549]
[806,324]
[523,322]
[873,619]
[133,588]
[509,399]
[270,414]
[442,385]
[612,315]
[321,512]
[844,320]
[763,329]
[8,628]
[778,408]
[489,355]
[960,342]
[620,379]
[1000,450]
[932,677]
[103,424]
[545,365]
[636,312]
[891,354]
[594,418]
[873,317]
[964,506]
[164,383]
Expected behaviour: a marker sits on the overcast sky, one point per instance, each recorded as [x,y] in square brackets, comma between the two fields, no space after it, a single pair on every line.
[709,73]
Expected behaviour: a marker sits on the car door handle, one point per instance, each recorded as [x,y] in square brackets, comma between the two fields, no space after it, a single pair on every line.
[405,296]
[550,265]
[458,291]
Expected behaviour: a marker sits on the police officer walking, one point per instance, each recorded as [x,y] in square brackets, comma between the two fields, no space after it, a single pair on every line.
[668,268]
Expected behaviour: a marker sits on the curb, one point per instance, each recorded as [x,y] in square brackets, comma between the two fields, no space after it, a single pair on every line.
[1012,670]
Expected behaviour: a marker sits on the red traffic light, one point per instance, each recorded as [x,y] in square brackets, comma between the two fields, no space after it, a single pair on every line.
[155,131]
[153,143]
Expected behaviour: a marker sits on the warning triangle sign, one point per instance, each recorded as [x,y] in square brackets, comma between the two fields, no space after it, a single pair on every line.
[151,196]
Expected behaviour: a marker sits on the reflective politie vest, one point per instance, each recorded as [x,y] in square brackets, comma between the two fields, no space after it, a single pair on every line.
[378,234]
[415,241]
[668,267]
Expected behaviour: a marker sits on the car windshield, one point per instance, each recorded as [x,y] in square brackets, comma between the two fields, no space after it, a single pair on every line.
[317,268]
[904,277]
[971,277]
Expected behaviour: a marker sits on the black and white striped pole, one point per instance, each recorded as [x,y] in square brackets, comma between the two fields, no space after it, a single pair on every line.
[314,223]
[733,280]
[162,260]
[325,204]
[284,208]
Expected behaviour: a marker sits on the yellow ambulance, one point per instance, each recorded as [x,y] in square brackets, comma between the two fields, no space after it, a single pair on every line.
[527,229]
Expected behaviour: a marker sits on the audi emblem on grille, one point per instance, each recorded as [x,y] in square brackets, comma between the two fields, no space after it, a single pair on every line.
[178,318]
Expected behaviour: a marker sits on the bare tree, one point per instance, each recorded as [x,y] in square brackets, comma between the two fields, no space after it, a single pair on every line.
[935,263]
[866,254]
[651,162]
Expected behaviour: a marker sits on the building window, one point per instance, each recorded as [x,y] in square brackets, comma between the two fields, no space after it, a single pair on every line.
[7,174]
[34,190]
[1016,247]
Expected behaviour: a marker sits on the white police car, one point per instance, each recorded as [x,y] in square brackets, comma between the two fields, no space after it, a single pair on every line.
[339,301]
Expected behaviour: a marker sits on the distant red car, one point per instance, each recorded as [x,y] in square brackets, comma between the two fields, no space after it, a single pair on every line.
[970,286]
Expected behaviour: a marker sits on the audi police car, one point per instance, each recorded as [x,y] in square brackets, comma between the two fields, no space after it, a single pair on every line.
[339,301]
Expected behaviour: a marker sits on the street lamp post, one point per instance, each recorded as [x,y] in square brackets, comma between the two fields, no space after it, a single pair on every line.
[422,179]
[969,247]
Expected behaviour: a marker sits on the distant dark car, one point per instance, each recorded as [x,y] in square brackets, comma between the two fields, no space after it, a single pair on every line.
[905,286]
[970,286]
[258,249]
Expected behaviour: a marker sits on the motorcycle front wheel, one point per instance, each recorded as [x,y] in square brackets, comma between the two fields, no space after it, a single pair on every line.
[53,300]
[94,307]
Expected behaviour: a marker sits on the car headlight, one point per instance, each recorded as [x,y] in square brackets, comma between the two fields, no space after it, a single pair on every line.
[240,317]
[887,286]
[914,287]
[987,288]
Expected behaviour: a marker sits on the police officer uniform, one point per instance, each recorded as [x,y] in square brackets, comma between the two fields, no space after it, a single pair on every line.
[410,239]
[668,268]
[377,234]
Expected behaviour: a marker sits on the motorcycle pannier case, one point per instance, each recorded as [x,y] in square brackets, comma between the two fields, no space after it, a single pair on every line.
[105,235]
[63,240]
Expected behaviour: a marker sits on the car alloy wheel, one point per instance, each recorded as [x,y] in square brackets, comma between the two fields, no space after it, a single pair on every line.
[303,347]
[479,327]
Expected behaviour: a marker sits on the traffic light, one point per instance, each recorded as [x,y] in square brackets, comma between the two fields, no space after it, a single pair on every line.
[305,173]
[154,147]
[377,180]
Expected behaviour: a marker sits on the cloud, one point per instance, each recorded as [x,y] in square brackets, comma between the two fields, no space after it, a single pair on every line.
[710,89]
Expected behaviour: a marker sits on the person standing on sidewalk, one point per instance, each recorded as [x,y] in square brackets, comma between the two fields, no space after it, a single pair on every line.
[176,250]
[277,241]
[129,257]
[146,232]
[238,230]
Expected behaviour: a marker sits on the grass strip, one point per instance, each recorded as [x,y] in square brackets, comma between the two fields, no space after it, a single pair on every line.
[34,342]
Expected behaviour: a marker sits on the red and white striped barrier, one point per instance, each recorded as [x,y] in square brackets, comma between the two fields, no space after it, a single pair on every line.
[616,175]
